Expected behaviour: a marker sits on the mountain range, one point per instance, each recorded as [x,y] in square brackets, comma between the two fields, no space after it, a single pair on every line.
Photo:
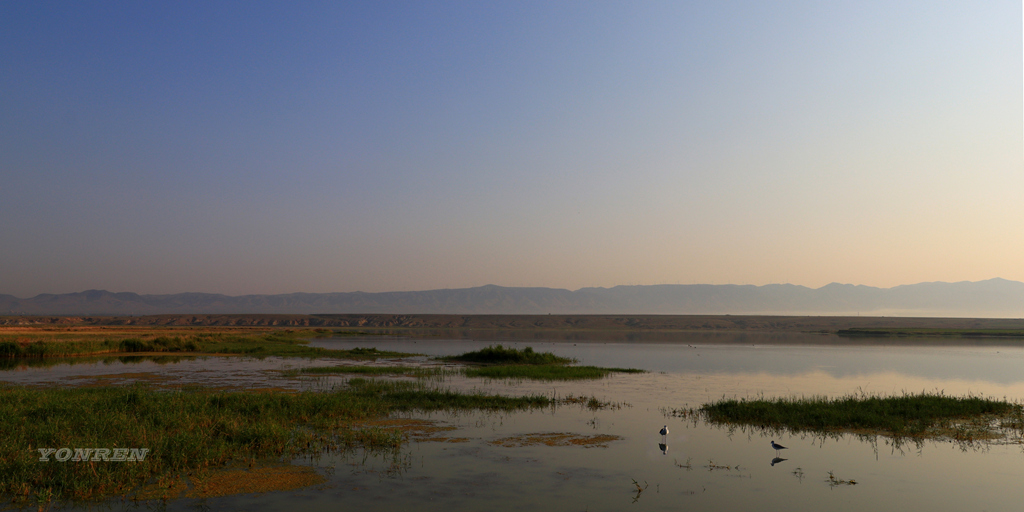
[990,298]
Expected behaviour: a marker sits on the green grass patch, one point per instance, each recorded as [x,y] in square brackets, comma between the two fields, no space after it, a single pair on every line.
[194,429]
[494,362]
[910,415]
[160,344]
[498,362]
[42,348]
[500,355]
[284,343]
[545,372]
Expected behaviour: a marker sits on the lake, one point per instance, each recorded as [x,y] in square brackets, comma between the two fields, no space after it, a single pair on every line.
[478,461]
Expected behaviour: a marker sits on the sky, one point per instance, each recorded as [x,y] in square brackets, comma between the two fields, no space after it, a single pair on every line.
[276,147]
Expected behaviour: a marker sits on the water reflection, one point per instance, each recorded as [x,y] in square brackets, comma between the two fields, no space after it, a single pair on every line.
[776,354]
[694,338]
[21,363]
[171,370]
[727,469]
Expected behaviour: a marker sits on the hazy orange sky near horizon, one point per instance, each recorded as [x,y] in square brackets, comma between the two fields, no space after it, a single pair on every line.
[262,147]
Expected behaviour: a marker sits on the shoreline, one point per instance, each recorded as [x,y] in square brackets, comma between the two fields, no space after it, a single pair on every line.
[565,323]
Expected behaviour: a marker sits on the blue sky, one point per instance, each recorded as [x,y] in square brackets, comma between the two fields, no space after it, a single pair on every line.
[248,147]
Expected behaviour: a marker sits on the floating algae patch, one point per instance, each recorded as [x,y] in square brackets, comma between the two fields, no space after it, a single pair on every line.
[556,439]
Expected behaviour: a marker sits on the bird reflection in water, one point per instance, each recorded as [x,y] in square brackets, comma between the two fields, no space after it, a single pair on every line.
[777,447]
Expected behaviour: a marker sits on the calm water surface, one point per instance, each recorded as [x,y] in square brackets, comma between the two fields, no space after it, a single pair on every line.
[686,370]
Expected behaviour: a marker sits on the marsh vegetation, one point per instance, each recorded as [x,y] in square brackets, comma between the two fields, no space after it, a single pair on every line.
[403,441]
[495,362]
[39,342]
[195,434]
[533,372]
[498,362]
[921,415]
[498,354]
[192,431]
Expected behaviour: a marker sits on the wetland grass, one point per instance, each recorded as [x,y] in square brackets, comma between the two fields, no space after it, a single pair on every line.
[498,362]
[545,372]
[27,343]
[285,344]
[924,415]
[500,355]
[195,430]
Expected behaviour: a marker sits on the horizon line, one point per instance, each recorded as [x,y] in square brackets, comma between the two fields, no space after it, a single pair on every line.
[516,287]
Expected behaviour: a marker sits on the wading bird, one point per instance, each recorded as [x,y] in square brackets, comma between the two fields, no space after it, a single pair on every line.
[778,447]
[664,430]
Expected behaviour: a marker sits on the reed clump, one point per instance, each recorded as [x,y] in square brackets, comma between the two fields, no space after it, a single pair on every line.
[909,415]
[498,362]
[160,344]
[46,348]
[498,354]
[545,372]
[284,344]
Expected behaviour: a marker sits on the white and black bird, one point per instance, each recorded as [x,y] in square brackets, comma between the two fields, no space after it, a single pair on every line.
[664,430]
[777,447]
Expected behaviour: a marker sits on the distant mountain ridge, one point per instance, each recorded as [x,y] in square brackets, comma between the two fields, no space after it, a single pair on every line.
[991,298]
